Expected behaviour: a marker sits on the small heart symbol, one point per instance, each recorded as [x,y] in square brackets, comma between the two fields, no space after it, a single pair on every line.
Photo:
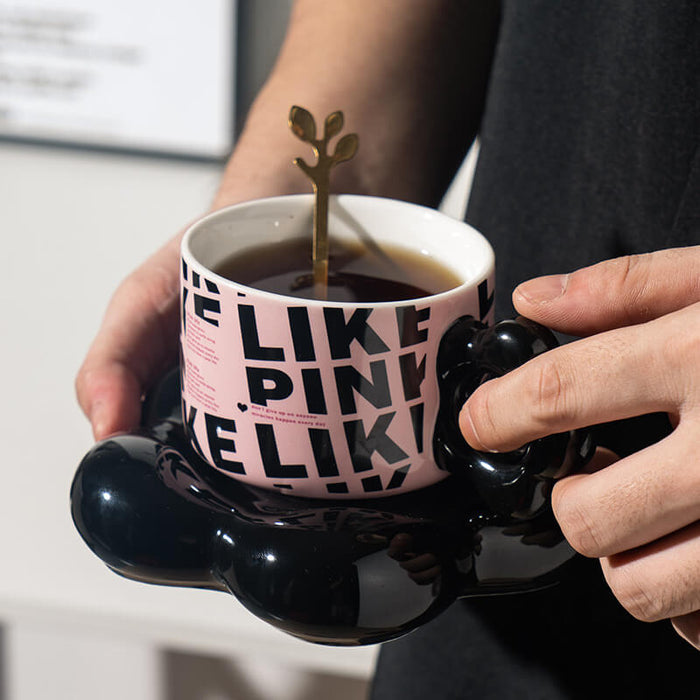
[242,407]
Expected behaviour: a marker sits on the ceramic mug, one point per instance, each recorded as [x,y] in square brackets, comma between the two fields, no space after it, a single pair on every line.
[319,398]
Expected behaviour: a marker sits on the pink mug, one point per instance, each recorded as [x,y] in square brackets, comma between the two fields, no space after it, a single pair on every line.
[318,398]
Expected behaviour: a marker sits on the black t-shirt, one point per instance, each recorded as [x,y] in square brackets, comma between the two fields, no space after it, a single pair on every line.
[591,134]
[589,150]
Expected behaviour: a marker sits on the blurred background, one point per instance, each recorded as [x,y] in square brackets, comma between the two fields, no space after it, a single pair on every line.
[115,120]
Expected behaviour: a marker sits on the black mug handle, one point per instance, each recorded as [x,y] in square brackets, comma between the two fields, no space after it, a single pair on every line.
[517,483]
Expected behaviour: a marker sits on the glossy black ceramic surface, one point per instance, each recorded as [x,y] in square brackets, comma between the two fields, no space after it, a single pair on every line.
[336,572]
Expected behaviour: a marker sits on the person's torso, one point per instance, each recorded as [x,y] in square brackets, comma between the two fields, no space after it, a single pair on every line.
[590,139]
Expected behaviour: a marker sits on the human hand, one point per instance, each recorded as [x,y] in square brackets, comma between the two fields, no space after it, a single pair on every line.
[639,515]
[136,343]
[422,567]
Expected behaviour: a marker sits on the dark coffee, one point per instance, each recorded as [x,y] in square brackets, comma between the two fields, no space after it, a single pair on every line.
[356,273]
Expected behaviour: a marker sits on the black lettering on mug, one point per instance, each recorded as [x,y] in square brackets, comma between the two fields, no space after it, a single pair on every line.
[372,484]
[218,444]
[324,456]
[190,415]
[485,299]
[342,333]
[412,375]
[185,293]
[417,420]
[313,390]
[407,320]
[301,333]
[267,384]
[271,458]
[252,349]
[363,445]
[204,305]
[348,380]
[398,477]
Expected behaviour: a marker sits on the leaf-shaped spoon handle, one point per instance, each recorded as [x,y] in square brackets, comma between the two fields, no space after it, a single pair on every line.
[303,126]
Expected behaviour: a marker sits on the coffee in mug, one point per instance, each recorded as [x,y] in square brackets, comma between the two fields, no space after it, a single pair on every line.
[357,273]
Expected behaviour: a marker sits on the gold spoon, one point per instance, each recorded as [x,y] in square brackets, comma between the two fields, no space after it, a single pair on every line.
[303,126]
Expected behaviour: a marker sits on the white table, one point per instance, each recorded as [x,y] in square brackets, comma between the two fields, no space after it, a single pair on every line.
[73,224]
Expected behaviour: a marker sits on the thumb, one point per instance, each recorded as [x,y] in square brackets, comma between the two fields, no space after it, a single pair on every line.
[110,395]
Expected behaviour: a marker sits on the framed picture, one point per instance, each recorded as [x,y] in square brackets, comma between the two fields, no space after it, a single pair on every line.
[141,75]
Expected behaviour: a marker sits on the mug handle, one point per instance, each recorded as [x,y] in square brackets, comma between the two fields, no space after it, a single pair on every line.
[516,484]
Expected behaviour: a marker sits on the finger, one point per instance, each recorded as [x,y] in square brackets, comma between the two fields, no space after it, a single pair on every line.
[609,376]
[688,627]
[400,546]
[602,458]
[424,578]
[614,293]
[136,343]
[660,580]
[634,501]
[110,396]
[419,562]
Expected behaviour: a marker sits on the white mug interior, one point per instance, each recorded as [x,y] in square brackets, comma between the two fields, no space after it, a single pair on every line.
[374,221]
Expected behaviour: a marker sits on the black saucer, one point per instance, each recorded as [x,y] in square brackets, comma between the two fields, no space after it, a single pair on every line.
[333,572]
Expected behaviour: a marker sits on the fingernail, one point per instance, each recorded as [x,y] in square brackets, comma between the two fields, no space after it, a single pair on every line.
[466,417]
[98,420]
[542,289]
